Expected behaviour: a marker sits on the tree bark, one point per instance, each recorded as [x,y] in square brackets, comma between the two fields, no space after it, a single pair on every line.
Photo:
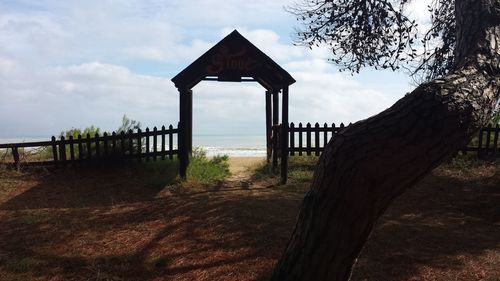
[367,165]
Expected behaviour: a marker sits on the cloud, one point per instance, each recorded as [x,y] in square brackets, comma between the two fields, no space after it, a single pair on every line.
[81,95]
[76,64]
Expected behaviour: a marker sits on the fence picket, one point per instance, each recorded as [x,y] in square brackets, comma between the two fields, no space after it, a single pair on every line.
[97,146]
[62,149]
[147,144]
[300,138]
[162,142]
[495,140]
[80,147]
[308,139]
[155,143]
[325,135]
[122,143]
[113,143]
[71,149]
[316,139]
[54,149]
[171,142]
[139,145]
[131,143]
[15,155]
[105,144]
[292,139]
[89,147]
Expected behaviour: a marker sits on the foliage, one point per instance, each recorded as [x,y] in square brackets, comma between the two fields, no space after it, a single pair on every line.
[75,132]
[379,34]
[300,169]
[207,171]
[128,124]
[495,118]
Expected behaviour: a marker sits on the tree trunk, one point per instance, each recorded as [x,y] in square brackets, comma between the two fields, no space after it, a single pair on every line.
[366,166]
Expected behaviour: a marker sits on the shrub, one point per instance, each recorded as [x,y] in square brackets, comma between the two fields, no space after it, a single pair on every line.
[207,171]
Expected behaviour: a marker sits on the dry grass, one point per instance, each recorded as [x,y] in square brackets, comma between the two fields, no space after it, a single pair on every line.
[107,224]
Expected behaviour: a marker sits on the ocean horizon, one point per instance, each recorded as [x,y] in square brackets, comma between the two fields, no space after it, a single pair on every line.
[223,144]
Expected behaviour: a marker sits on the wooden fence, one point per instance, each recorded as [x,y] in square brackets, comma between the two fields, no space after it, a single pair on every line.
[139,145]
[486,143]
[311,139]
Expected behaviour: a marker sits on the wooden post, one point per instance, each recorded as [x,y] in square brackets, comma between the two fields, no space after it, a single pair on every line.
[185,130]
[292,139]
[15,154]
[189,100]
[269,124]
[276,120]
[62,150]
[284,136]
[54,149]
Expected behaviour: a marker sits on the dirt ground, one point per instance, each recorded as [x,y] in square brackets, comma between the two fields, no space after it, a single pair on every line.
[105,224]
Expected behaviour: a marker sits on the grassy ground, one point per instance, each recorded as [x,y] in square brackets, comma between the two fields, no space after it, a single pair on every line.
[123,224]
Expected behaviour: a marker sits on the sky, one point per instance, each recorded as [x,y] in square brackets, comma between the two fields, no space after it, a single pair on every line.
[73,64]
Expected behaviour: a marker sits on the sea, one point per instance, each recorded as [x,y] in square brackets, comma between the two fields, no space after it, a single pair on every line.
[231,145]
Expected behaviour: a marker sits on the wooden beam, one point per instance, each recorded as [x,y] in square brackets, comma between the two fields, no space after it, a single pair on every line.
[284,136]
[269,124]
[276,121]
[276,105]
[189,115]
[185,124]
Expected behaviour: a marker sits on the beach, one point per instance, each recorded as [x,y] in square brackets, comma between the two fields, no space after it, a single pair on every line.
[238,165]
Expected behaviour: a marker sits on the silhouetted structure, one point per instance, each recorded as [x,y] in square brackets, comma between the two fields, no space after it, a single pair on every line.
[235,59]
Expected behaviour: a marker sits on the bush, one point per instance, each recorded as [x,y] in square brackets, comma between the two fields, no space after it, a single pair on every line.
[207,171]
[300,169]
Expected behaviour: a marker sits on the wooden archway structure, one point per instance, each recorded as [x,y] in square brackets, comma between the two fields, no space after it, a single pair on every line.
[235,59]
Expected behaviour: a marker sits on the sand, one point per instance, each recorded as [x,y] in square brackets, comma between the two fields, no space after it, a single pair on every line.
[238,165]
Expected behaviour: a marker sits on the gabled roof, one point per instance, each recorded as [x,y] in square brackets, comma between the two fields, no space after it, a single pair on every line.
[234,58]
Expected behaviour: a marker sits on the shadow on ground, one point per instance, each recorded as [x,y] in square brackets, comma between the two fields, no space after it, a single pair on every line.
[92,186]
[121,230]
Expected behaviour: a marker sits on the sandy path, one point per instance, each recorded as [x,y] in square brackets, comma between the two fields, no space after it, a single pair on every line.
[239,166]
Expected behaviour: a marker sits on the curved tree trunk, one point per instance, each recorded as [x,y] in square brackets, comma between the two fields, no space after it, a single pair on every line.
[371,162]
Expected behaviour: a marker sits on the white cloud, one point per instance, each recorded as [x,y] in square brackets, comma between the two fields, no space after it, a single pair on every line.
[75,64]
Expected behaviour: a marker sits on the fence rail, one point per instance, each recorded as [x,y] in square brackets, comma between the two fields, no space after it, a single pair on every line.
[139,145]
[311,139]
